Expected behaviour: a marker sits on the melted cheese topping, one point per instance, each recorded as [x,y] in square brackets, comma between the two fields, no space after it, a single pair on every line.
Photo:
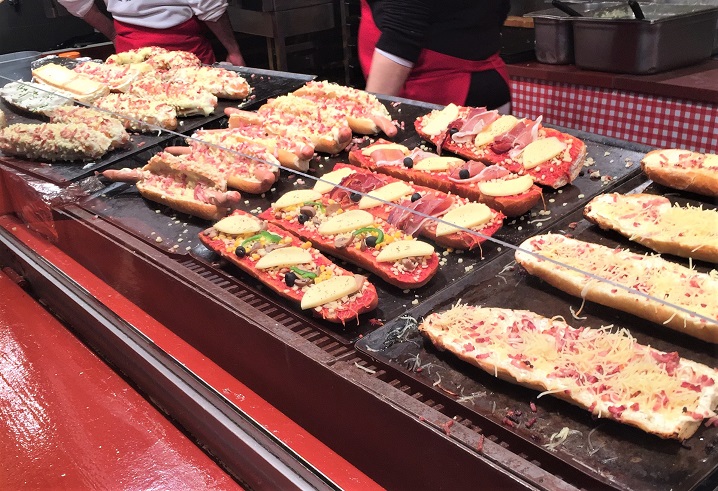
[606,372]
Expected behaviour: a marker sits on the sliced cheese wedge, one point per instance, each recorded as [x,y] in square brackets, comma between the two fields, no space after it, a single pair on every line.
[346,222]
[384,146]
[499,127]
[331,179]
[539,151]
[329,290]
[238,225]
[468,216]
[506,187]
[392,192]
[440,120]
[404,248]
[670,156]
[297,197]
[437,164]
[284,257]
[711,161]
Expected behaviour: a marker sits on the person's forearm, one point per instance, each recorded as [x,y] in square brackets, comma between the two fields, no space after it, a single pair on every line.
[386,76]
[101,22]
[222,28]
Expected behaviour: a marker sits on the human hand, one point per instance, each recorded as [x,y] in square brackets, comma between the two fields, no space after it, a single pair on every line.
[235,59]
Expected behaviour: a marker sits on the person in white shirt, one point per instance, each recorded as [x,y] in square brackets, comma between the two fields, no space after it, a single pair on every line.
[174,25]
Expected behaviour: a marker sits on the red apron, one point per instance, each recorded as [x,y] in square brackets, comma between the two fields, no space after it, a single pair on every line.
[435,77]
[188,36]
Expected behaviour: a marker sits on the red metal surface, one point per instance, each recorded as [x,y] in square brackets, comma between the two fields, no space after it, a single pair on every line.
[68,421]
[314,451]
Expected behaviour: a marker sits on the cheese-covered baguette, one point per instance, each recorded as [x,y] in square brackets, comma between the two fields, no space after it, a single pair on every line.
[683,169]
[83,88]
[650,275]
[608,373]
[98,120]
[139,114]
[653,222]
[54,141]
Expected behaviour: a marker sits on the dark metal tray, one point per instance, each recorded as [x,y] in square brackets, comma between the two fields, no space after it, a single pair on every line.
[265,84]
[616,455]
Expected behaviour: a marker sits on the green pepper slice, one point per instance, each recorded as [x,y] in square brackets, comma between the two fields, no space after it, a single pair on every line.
[368,230]
[317,204]
[267,236]
[303,273]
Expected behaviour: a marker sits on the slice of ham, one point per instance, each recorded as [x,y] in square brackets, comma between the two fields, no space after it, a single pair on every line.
[477,119]
[411,223]
[359,182]
[517,138]
[478,172]
[387,156]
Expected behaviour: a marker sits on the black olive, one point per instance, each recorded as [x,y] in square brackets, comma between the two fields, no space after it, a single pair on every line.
[240,251]
[464,174]
[408,162]
[415,197]
[355,197]
[302,218]
[370,241]
[453,130]
[290,278]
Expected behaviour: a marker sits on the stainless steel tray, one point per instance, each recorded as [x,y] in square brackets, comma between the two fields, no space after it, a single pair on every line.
[671,36]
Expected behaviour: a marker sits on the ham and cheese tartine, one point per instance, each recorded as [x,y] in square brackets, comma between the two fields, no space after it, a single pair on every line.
[578,268]
[54,141]
[652,221]
[683,169]
[606,372]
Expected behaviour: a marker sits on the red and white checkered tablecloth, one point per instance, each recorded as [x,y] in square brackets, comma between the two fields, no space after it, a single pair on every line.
[640,118]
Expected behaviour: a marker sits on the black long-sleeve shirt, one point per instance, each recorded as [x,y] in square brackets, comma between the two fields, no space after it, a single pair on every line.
[466,29]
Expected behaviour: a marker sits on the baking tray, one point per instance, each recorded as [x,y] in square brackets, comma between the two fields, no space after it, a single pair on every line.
[265,84]
[669,37]
[618,456]
[616,161]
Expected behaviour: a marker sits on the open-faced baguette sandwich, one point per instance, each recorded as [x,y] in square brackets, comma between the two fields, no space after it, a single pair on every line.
[493,185]
[365,113]
[247,167]
[138,113]
[683,169]
[356,236]
[187,99]
[54,141]
[652,221]
[379,194]
[117,77]
[607,373]
[102,121]
[291,116]
[35,98]
[551,157]
[293,153]
[159,59]
[82,88]
[669,285]
[223,83]
[171,181]
[292,268]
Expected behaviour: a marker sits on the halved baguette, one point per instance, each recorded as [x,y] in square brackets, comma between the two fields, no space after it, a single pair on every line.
[653,222]
[683,169]
[604,372]
[651,275]
[54,141]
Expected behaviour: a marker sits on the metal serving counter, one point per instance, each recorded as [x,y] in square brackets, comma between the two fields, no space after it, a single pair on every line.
[406,415]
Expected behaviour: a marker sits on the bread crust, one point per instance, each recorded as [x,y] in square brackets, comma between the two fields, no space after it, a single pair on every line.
[589,258]
[688,175]
[190,207]
[649,209]
[457,339]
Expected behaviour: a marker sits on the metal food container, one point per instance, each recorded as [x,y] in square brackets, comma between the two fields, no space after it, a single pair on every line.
[553,29]
[670,36]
